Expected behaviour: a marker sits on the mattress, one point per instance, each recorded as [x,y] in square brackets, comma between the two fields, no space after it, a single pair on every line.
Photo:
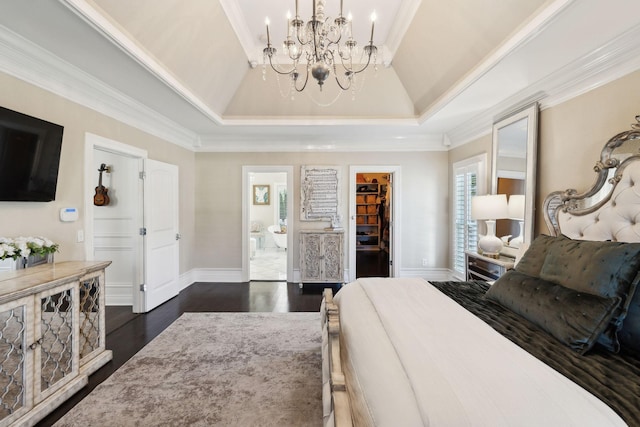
[413,356]
[613,378]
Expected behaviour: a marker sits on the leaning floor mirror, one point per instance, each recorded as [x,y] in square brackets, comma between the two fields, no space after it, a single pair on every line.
[515,141]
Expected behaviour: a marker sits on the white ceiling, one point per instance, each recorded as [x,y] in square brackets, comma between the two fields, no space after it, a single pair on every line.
[181,70]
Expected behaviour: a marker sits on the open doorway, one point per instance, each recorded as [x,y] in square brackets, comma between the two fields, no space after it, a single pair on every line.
[267,214]
[137,229]
[268,224]
[380,240]
[373,223]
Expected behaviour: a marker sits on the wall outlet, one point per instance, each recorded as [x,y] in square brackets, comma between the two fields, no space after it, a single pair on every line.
[425,262]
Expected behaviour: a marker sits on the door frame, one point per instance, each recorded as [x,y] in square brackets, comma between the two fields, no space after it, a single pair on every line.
[395,252]
[246,200]
[95,142]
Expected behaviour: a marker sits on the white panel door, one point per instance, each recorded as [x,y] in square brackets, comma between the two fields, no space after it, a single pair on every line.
[116,226]
[161,241]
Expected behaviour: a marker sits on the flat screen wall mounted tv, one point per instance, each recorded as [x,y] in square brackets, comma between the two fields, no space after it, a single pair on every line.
[29,157]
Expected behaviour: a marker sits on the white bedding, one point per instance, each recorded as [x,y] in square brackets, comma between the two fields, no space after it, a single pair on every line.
[413,357]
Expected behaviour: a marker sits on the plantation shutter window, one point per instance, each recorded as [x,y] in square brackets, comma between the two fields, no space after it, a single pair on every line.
[465,230]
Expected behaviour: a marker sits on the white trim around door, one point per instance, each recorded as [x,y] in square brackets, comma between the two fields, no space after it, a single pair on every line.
[395,254]
[94,144]
[246,200]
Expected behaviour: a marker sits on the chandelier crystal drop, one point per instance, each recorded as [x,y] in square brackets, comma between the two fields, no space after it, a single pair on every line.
[321,47]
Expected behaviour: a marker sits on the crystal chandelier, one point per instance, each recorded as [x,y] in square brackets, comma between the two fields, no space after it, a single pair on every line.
[325,45]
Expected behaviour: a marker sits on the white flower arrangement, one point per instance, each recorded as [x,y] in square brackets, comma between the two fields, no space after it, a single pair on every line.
[22,247]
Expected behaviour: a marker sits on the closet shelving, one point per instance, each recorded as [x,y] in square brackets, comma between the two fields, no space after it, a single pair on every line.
[367,219]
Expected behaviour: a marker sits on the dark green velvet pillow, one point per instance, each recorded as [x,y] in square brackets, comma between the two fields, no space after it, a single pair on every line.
[629,335]
[606,269]
[533,259]
[576,319]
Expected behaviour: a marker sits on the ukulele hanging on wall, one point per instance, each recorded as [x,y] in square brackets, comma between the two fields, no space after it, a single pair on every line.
[101,198]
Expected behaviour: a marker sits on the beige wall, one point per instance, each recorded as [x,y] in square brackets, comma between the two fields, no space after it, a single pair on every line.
[29,218]
[424,201]
[573,133]
[571,137]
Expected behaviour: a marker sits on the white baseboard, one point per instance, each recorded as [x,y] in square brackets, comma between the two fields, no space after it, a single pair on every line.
[118,300]
[217,275]
[187,279]
[119,294]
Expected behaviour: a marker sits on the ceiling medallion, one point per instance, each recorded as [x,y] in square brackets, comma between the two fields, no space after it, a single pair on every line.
[325,45]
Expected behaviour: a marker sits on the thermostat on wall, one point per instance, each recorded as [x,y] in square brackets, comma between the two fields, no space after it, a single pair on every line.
[68,214]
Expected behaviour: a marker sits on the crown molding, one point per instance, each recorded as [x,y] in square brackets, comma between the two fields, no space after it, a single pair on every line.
[318,121]
[28,62]
[614,60]
[236,20]
[101,24]
[401,23]
[610,62]
[288,144]
[519,39]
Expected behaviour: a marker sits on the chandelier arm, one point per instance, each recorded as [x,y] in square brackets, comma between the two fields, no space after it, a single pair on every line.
[344,87]
[332,43]
[302,43]
[361,69]
[305,82]
[281,72]
[335,42]
[295,58]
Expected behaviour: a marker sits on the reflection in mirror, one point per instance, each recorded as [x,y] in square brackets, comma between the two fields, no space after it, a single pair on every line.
[599,196]
[592,198]
[511,164]
[623,151]
[613,154]
[514,160]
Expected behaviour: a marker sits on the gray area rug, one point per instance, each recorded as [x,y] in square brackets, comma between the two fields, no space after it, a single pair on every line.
[207,369]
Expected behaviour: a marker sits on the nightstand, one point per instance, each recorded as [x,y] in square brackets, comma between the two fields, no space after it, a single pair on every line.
[480,267]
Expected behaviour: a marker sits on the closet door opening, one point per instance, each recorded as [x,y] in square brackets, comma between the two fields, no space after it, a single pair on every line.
[373,223]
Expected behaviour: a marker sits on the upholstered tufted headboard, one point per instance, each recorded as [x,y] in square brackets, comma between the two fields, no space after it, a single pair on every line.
[610,210]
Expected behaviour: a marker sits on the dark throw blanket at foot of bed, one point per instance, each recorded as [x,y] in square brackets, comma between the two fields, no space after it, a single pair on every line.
[613,378]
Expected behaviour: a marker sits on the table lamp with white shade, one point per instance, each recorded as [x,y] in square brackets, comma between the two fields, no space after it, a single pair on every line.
[516,212]
[489,208]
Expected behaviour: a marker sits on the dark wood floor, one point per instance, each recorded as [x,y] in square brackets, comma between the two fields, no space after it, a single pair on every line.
[372,264]
[127,332]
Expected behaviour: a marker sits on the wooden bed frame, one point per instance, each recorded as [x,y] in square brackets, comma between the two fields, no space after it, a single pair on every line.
[339,398]
[560,208]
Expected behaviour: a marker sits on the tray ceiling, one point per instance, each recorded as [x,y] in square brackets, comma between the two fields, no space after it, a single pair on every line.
[449,67]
